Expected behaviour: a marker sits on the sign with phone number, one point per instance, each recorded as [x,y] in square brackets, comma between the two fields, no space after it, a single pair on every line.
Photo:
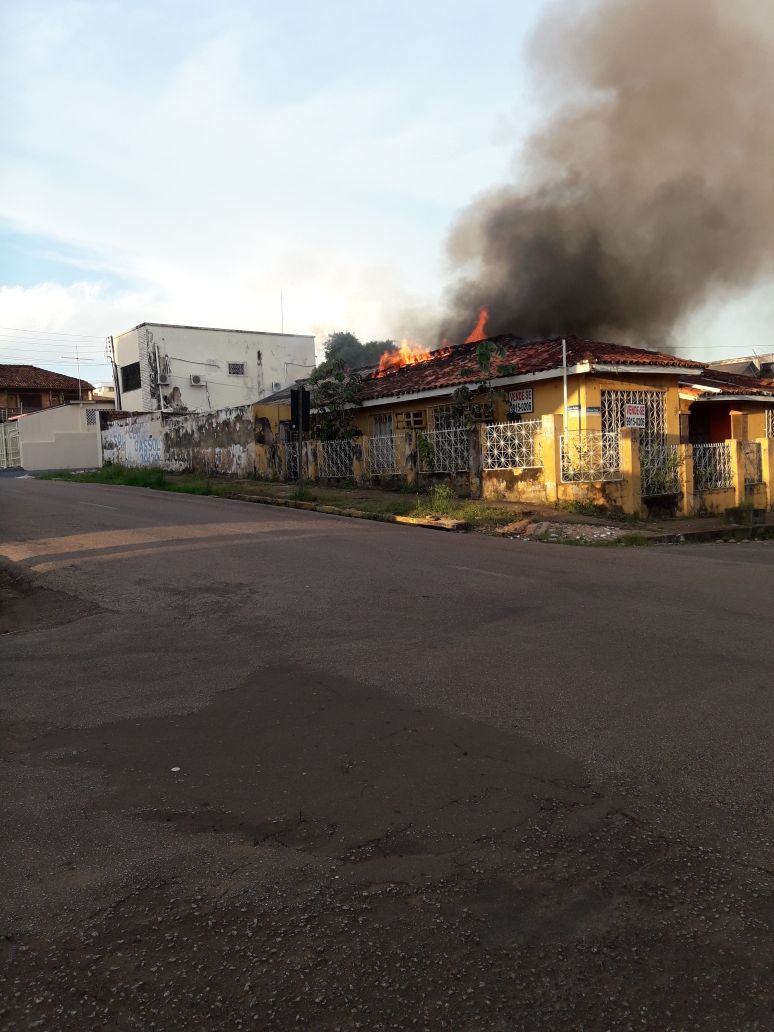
[520,401]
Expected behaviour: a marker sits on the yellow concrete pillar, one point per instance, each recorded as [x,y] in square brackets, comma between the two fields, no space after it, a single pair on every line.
[476,453]
[408,457]
[737,466]
[551,452]
[739,426]
[685,452]
[311,468]
[629,458]
[359,460]
[767,465]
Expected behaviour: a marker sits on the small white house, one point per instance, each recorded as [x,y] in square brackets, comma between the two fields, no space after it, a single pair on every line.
[199,368]
[62,437]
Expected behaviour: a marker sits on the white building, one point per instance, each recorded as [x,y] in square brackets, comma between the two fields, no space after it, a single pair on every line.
[59,437]
[195,368]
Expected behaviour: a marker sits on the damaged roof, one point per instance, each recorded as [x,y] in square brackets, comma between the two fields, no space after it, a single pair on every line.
[457,365]
[30,377]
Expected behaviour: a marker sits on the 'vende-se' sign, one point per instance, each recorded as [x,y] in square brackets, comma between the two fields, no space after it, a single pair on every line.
[634,415]
[520,401]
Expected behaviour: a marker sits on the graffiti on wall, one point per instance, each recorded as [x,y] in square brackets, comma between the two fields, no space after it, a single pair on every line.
[220,443]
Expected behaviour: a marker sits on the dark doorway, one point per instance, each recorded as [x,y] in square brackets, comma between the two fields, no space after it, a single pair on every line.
[709,422]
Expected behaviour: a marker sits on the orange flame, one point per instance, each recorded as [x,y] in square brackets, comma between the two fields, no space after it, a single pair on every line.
[479,330]
[408,353]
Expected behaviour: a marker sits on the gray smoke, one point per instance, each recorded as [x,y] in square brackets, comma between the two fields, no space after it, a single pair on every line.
[648,189]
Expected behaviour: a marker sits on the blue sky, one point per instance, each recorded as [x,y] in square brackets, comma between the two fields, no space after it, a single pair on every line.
[187,162]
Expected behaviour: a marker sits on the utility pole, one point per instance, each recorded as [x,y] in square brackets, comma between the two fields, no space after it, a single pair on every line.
[282,314]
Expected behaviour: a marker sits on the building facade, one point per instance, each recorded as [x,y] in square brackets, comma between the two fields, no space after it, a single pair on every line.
[171,368]
[62,436]
[27,388]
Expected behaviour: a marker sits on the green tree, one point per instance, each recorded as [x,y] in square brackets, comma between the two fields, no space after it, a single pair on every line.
[335,394]
[345,348]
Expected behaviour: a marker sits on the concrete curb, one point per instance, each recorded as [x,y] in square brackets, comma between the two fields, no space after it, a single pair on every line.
[442,523]
[729,533]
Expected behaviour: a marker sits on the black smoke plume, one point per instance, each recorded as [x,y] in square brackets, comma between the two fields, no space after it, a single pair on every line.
[649,187]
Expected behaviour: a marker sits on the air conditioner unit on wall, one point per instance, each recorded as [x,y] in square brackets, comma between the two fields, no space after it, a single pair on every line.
[197,380]
[164,379]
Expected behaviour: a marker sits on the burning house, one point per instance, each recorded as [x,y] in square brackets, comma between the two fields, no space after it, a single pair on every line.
[553,417]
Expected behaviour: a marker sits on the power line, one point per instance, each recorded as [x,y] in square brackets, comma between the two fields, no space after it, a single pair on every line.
[34,345]
[56,333]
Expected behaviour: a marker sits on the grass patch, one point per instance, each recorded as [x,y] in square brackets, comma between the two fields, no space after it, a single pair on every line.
[633,540]
[602,512]
[441,501]
[156,479]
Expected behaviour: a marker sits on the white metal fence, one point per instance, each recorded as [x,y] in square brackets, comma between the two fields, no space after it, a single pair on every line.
[588,456]
[334,459]
[288,457]
[514,445]
[770,422]
[753,463]
[712,467]
[10,451]
[380,455]
[443,451]
[659,468]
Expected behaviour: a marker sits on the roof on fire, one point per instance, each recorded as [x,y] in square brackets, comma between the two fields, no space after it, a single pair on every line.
[30,377]
[457,365]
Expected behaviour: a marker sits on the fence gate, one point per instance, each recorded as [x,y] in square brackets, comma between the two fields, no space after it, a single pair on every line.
[659,461]
[10,452]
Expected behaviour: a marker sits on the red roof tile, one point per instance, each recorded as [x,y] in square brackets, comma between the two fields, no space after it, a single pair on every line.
[730,383]
[457,365]
[30,377]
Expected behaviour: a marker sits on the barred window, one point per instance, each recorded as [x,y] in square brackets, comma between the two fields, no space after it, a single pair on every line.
[91,417]
[381,426]
[236,369]
[445,418]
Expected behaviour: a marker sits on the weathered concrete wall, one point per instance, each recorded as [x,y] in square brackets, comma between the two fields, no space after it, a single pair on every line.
[220,443]
[134,441]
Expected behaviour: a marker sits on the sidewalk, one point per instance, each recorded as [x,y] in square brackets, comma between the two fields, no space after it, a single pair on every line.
[376,503]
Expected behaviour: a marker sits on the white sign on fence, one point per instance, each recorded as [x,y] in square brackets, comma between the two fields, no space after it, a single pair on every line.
[520,401]
[634,415]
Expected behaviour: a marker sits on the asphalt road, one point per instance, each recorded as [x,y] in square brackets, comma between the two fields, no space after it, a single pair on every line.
[272,769]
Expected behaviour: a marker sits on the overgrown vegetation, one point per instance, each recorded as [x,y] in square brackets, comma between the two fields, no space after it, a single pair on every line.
[335,394]
[440,500]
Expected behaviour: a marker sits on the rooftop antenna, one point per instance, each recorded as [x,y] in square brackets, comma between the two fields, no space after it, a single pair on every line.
[78,366]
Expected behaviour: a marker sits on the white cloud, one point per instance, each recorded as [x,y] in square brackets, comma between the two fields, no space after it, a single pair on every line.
[251,152]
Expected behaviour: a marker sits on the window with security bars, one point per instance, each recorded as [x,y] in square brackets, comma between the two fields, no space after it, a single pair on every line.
[658,461]
[614,411]
[445,418]
[91,417]
[236,369]
[381,425]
